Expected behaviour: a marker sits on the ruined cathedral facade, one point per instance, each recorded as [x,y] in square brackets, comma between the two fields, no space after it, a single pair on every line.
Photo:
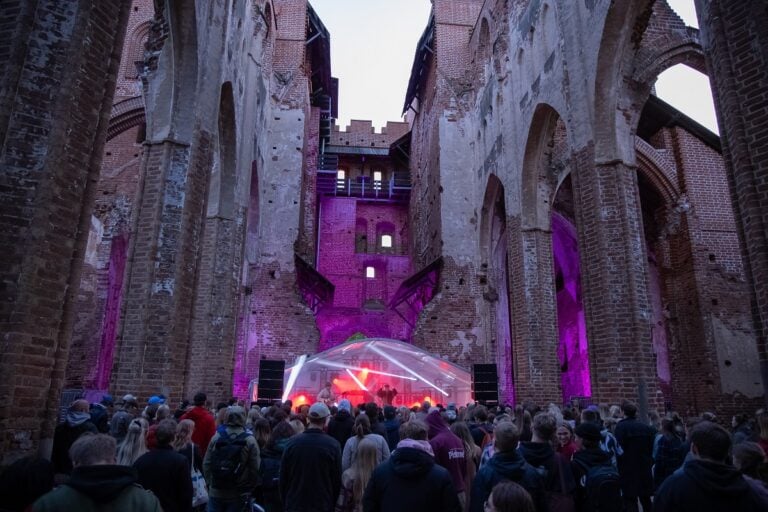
[177,202]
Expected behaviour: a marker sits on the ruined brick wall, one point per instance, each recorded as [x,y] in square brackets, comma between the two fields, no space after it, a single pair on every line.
[735,41]
[53,121]
[116,194]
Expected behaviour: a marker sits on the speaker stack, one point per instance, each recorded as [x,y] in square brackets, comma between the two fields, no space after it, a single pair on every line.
[270,388]
[485,384]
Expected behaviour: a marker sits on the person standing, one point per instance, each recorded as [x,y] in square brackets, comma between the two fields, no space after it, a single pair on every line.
[310,472]
[706,483]
[97,483]
[449,452]
[410,479]
[635,463]
[386,394]
[507,464]
[75,424]
[165,472]
[231,464]
[205,425]
[340,426]
[326,395]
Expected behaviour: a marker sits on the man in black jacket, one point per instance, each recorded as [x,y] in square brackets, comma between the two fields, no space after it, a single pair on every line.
[554,469]
[507,464]
[310,471]
[410,479]
[635,462]
[706,483]
[165,472]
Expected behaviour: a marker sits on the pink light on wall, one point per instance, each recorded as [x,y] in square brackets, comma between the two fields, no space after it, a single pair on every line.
[117,258]
[659,325]
[571,326]
[350,242]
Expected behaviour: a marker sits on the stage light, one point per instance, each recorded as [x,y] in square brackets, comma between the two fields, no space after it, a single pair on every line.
[401,365]
[362,386]
[294,375]
[358,369]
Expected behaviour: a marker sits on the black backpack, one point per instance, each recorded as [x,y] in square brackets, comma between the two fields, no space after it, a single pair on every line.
[603,493]
[227,460]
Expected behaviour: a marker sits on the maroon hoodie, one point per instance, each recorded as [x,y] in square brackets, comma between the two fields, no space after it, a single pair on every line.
[448,448]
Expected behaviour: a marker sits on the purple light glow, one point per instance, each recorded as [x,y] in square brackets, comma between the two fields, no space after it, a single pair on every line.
[117,258]
[571,326]
[349,241]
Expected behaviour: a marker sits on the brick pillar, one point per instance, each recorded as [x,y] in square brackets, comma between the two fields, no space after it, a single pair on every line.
[735,40]
[534,315]
[153,344]
[614,280]
[213,335]
[59,63]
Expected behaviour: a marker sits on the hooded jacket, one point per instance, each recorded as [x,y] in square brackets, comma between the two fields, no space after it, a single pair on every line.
[706,486]
[99,488]
[448,449]
[75,424]
[507,466]
[549,465]
[340,427]
[249,457]
[410,480]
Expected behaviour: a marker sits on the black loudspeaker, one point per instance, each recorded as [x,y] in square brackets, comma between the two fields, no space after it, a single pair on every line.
[271,374]
[485,384]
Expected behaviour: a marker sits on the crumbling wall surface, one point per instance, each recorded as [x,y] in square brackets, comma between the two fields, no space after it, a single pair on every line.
[60,61]
[735,41]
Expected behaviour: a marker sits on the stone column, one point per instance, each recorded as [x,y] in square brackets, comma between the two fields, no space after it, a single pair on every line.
[534,315]
[735,40]
[153,344]
[614,280]
[59,63]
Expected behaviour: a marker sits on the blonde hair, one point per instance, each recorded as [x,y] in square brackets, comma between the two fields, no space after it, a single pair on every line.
[183,434]
[134,445]
[366,460]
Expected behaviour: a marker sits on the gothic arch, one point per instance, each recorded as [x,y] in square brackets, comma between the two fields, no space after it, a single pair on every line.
[542,170]
[224,176]
[657,171]
[624,25]
[135,50]
[172,83]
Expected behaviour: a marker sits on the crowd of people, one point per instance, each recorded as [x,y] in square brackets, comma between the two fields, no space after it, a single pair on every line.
[344,458]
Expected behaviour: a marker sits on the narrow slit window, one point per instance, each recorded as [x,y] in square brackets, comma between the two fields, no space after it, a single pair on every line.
[370,272]
[386,241]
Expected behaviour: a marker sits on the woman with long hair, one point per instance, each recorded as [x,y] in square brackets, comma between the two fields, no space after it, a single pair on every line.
[134,445]
[262,430]
[183,444]
[355,479]
[473,453]
[565,444]
[362,430]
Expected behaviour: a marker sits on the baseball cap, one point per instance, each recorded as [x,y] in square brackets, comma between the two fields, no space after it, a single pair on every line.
[319,410]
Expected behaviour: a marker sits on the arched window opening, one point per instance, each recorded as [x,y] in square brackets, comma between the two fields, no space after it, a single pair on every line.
[688,91]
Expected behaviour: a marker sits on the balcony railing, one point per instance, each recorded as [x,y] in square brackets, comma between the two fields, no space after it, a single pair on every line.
[397,188]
